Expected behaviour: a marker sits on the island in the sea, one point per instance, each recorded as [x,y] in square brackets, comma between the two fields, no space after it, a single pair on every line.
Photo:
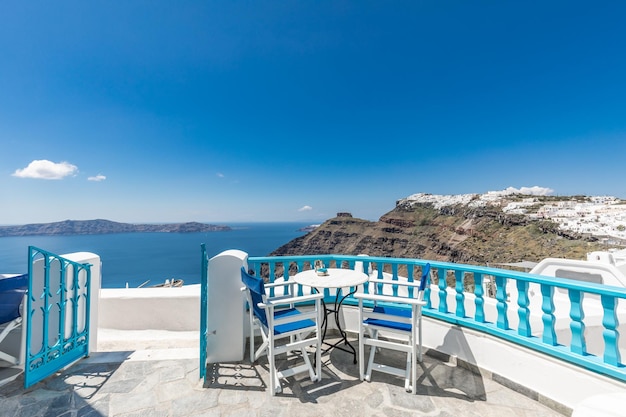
[309,228]
[100,226]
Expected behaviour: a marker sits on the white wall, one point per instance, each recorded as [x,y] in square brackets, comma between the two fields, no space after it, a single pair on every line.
[96,280]
[174,309]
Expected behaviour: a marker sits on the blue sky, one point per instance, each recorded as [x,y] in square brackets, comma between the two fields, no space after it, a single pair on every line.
[228,111]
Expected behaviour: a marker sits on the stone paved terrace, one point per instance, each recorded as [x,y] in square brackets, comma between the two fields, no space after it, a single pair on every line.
[158,381]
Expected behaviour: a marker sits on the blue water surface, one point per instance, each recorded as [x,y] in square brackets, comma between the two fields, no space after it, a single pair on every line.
[134,258]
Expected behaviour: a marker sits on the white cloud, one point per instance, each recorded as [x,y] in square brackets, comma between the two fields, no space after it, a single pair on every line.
[97,178]
[305,208]
[536,190]
[46,170]
[220,175]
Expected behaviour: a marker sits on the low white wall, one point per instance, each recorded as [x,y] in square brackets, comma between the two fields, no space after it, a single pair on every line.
[564,383]
[174,309]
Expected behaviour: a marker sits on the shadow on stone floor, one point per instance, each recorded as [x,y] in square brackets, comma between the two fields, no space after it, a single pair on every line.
[69,390]
[435,377]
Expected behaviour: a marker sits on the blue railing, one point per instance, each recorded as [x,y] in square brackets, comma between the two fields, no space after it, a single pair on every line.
[545,314]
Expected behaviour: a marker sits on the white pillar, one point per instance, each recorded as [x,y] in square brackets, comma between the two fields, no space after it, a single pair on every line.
[96,282]
[226,309]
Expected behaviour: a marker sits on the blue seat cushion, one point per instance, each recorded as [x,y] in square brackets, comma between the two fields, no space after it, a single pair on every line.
[391,324]
[11,293]
[288,327]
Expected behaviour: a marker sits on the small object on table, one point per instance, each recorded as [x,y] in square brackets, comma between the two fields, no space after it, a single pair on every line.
[322,272]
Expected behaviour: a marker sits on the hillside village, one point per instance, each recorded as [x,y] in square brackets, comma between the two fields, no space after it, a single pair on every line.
[600,216]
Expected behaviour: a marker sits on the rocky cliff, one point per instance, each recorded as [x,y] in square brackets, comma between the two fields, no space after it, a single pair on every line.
[455,233]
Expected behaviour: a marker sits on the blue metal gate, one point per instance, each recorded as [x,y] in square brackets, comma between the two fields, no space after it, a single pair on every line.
[58,307]
[204,308]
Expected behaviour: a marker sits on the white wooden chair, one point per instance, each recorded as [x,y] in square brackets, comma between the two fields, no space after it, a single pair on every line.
[12,301]
[277,319]
[399,318]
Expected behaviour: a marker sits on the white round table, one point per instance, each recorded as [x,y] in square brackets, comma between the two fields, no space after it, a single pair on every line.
[336,278]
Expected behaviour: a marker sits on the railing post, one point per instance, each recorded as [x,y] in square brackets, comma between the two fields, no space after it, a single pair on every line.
[460,295]
[409,277]
[479,301]
[523,312]
[610,333]
[547,306]
[501,304]
[577,325]
[272,270]
[300,267]
[443,293]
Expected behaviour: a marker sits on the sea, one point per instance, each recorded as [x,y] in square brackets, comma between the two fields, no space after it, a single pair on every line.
[146,259]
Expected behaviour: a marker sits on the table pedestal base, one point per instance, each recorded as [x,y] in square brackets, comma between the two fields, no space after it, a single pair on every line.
[338,279]
[335,310]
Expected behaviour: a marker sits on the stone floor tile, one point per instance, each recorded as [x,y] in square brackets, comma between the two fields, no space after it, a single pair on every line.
[172,388]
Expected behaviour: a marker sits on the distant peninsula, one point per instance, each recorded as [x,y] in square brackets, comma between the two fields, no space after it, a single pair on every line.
[99,227]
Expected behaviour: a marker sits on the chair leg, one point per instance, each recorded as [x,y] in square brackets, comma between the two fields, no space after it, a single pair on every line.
[408,371]
[414,376]
[361,351]
[318,358]
[274,380]
[307,360]
[419,355]
[419,335]
[312,374]
[262,349]
[361,341]
[318,343]
[292,339]
[412,366]
[370,362]
[252,353]
[5,356]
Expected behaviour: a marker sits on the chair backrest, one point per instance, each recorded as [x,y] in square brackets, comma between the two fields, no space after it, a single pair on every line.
[256,292]
[12,291]
[424,280]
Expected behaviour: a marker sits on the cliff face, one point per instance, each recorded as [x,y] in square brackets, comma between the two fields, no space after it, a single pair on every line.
[458,233]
